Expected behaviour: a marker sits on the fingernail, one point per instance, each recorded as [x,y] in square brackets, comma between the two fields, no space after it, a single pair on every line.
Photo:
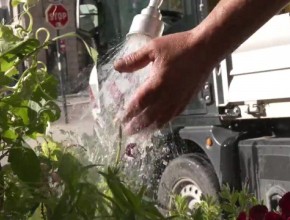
[118,64]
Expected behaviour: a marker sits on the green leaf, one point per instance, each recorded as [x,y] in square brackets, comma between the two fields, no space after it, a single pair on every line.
[5,80]
[51,150]
[133,200]
[199,214]
[18,51]
[6,65]
[3,118]
[25,164]
[70,169]
[93,53]
[34,106]
[37,214]
[63,207]
[7,35]
[12,72]
[50,112]
[49,86]
[10,134]
[229,208]
[25,90]
[234,198]
[114,183]
[87,192]
[18,197]
[15,3]
[22,113]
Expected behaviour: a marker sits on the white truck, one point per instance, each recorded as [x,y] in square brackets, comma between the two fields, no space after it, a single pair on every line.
[237,130]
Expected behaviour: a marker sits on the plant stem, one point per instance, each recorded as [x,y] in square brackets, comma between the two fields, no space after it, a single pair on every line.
[6,89]
[2,190]
[118,157]
[43,212]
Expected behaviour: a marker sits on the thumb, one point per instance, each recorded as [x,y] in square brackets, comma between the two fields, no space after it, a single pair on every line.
[133,61]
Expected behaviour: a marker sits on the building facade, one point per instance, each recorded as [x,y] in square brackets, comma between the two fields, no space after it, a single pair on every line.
[71,48]
[75,58]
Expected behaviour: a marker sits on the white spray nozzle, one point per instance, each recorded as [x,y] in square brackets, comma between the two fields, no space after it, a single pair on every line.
[155,3]
[149,21]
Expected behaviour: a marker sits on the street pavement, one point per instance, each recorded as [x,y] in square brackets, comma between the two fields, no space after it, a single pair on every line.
[80,119]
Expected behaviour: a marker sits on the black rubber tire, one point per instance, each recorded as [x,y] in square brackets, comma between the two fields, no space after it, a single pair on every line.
[191,166]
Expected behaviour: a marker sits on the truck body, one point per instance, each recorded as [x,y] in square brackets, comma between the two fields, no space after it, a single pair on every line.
[237,130]
[243,109]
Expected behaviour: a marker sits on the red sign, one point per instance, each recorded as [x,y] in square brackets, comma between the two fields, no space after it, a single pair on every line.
[56,15]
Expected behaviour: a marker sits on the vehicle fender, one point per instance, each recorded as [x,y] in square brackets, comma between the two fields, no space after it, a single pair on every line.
[223,152]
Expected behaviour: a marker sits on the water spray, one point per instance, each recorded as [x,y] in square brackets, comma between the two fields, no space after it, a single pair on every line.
[148,22]
[115,92]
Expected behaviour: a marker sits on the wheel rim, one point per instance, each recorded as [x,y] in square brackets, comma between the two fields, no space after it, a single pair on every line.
[189,190]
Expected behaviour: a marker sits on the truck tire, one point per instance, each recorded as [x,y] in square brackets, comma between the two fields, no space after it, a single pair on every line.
[190,176]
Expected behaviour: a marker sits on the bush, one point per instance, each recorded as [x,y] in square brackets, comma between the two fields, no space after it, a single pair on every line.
[54,182]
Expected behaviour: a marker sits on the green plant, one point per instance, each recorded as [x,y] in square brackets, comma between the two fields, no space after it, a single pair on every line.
[235,202]
[207,209]
[231,204]
[50,181]
[76,196]
[26,106]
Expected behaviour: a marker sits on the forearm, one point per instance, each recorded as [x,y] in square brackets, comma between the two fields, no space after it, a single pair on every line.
[232,21]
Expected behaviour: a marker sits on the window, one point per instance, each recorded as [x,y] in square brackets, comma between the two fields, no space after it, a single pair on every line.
[88,15]
[173,5]
[5,11]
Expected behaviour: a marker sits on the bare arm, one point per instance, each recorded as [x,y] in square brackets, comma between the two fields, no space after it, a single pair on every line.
[182,62]
[233,21]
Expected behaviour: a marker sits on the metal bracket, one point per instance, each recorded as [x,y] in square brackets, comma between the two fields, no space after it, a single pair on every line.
[206,93]
[233,112]
[255,108]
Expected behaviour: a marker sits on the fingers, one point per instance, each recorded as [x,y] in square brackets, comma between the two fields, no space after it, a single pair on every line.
[143,120]
[134,61]
[147,119]
[153,116]
[145,96]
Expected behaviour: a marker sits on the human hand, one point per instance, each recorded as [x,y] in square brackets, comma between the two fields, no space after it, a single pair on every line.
[180,66]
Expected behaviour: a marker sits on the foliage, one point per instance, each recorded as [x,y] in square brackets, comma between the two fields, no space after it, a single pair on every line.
[15,3]
[65,191]
[27,92]
[207,209]
[235,202]
[49,181]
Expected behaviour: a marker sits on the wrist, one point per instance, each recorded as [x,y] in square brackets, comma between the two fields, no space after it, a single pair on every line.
[203,41]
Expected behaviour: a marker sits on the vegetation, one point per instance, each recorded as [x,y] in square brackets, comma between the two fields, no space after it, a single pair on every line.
[49,181]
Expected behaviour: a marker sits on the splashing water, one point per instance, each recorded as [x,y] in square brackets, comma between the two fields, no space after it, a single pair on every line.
[115,93]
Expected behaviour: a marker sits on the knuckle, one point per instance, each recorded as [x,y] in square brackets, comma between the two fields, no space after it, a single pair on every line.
[130,59]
